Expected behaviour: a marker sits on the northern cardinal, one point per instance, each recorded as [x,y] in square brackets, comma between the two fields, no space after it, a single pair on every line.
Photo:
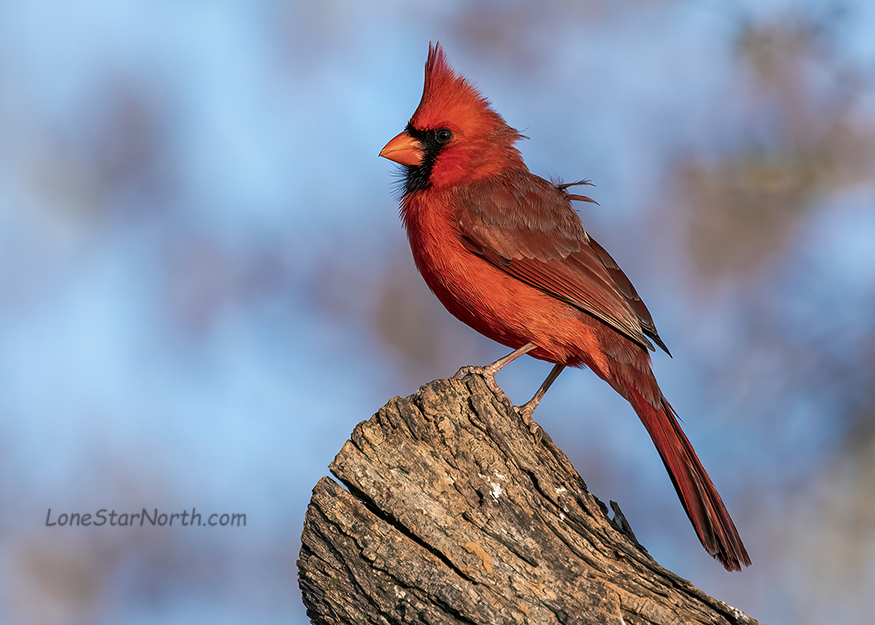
[505,252]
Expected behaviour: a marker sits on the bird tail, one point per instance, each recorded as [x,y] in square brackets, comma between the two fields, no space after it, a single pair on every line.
[700,499]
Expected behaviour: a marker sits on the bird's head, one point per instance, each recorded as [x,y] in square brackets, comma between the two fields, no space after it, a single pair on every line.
[454,135]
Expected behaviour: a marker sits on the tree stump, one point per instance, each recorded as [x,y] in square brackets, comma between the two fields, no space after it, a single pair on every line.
[453,513]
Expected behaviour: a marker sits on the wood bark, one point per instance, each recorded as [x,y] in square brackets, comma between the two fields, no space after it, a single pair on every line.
[448,511]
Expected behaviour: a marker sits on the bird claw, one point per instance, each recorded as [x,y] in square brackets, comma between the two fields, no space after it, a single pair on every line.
[461,373]
[488,376]
[525,412]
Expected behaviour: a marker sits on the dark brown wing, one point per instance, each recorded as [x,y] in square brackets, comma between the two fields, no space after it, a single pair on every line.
[526,227]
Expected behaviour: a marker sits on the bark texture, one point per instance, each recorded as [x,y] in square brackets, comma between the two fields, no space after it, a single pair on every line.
[452,513]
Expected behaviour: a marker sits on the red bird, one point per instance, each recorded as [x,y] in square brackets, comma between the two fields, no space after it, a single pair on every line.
[505,252]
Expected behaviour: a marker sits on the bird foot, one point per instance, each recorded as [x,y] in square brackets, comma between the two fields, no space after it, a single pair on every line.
[525,412]
[488,375]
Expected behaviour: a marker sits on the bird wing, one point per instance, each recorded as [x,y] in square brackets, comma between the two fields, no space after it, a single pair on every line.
[526,227]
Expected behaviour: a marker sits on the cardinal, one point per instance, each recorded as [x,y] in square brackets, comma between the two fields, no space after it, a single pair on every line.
[506,253]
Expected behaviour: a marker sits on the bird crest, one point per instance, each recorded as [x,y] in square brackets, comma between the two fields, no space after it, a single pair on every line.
[451,101]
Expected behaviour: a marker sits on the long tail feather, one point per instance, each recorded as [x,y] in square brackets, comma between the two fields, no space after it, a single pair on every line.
[697,493]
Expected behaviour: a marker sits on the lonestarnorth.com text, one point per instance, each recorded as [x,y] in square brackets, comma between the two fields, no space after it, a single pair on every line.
[103,517]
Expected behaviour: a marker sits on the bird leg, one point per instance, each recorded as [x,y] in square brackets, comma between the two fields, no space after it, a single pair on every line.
[488,372]
[525,411]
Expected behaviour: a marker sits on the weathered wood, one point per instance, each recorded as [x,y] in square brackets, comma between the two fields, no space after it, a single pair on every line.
[452,513]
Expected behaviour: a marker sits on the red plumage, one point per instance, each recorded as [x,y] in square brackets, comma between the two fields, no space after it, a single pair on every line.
[506,253]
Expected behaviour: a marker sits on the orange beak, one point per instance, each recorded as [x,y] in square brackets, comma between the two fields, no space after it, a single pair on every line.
[404,150]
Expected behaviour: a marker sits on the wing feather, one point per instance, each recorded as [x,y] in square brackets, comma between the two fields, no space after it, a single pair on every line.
[525,226]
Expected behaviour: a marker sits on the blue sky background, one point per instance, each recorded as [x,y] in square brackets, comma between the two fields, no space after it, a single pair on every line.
[204,285]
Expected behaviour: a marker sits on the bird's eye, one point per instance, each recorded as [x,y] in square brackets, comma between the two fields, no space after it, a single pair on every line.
[442,135]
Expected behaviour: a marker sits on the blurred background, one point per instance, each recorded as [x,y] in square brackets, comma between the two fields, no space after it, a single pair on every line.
[204,284]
